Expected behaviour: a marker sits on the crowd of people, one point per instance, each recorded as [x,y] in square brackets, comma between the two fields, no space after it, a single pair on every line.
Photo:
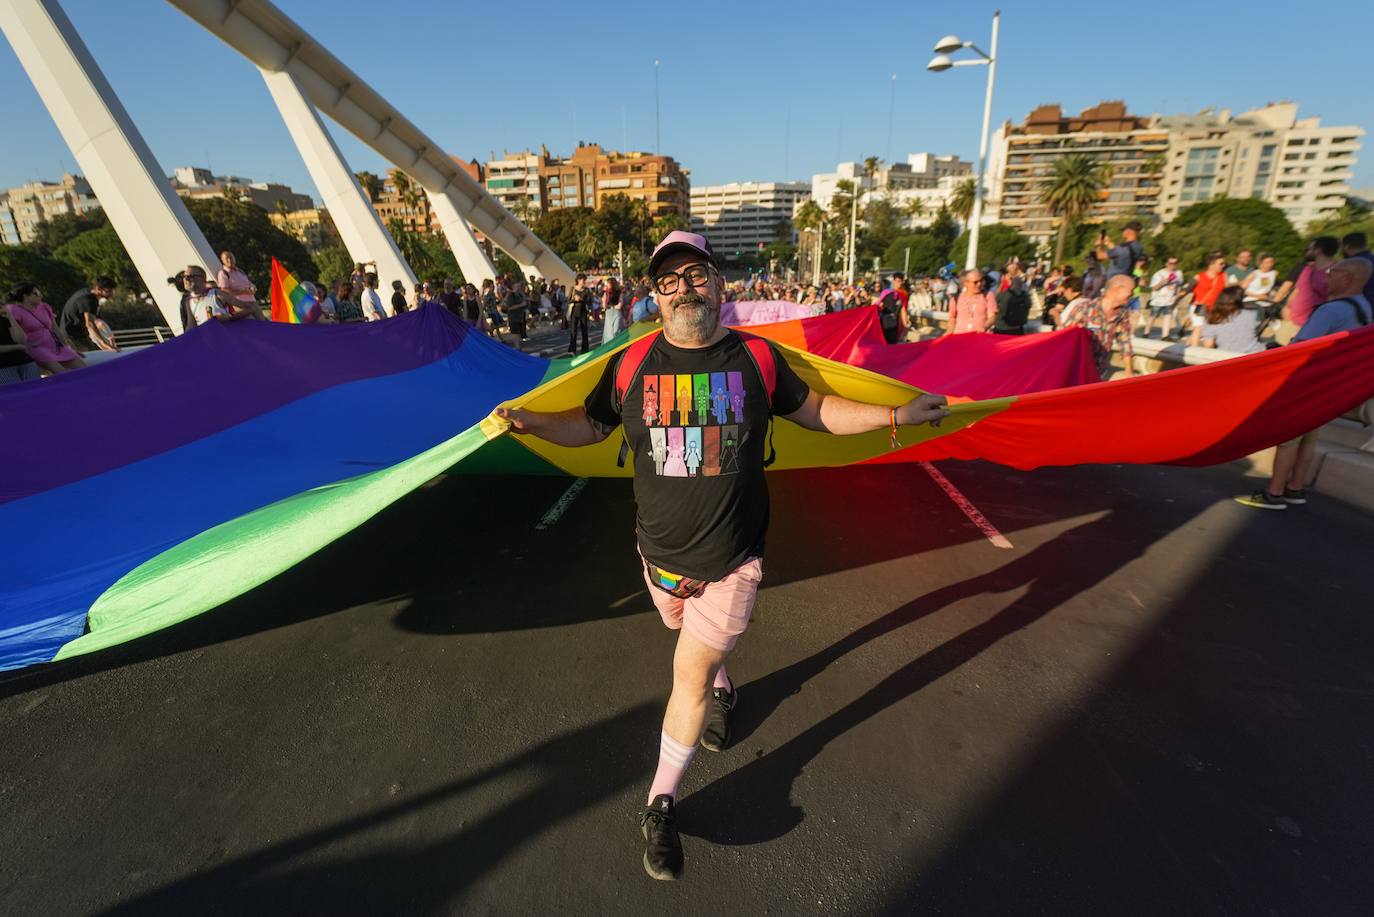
[1236,304]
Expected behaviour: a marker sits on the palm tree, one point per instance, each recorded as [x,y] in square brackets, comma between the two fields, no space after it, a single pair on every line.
[914,209]
[871,164]
[371,184]
[961,201]
[1074,185]
[1153,166]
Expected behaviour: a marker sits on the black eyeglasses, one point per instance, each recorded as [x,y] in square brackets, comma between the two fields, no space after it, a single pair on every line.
[694,275]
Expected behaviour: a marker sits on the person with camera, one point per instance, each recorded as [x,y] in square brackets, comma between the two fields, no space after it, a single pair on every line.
[700,490]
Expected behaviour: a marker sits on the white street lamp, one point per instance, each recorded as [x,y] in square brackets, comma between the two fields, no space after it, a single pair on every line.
[941,62]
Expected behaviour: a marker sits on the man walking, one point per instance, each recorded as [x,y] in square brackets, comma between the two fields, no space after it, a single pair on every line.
[700,490]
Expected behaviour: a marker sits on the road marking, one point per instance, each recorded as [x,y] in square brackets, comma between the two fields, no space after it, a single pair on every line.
[977,518]
[561,506]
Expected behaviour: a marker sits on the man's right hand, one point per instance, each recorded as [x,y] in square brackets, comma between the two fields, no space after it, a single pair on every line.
[518,418]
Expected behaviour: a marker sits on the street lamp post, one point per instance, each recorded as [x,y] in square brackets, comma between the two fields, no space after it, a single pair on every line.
[941,61]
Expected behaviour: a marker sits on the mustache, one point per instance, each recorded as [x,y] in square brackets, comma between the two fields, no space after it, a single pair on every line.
[687,299]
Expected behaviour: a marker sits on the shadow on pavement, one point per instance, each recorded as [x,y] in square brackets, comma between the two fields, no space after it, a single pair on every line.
[573,772]
[462,556]
[753,803]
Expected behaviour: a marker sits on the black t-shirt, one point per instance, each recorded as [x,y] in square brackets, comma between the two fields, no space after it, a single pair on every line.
[452,301]
[698,451]
[74,312]
[10,358]
[472,310]
[398,303]
[515,305]
[581,303]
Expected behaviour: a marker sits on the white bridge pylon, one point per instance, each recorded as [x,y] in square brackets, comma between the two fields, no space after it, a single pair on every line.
[265,35]
[304,79]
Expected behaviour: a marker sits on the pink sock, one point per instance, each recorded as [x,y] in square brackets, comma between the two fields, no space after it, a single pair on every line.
[723,680]
[673,758]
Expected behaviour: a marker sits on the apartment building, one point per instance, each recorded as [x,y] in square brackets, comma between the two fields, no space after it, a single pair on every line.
[1296,164]
[741,216]
[23,207]
[1023,156]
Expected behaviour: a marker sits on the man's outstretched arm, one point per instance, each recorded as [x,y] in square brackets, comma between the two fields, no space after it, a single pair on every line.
[842,417]
[563,428]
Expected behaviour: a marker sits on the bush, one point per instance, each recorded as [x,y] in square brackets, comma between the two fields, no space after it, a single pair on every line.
[1228,225]
[56,279]
[997,244]
[928,254]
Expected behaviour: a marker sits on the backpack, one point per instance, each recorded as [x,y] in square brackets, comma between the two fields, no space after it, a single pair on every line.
[1359,313]
[1013,307]
[632,362]
[889,304]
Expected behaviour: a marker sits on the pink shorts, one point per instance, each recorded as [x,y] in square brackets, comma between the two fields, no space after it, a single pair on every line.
[720,614]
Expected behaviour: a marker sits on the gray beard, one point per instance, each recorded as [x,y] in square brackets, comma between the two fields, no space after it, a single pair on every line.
[694,326]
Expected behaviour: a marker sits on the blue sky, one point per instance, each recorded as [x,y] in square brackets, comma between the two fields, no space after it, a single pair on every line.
[490,76]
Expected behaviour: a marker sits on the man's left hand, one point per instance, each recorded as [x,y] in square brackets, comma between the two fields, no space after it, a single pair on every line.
[928,408]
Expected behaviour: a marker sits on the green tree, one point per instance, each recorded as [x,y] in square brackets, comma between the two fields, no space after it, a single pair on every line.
[883,222]
[1227,225]
[1074,185]
[371,184]
[50,235]
[561,229]
[55,278]
[943,228]
[245,229]
[331,263]
[99,251]
[667,223]
[997,244]
[928,252]
[961,201]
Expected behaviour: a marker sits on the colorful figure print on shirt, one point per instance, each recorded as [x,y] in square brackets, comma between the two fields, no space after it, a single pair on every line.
[676,467]
[729,450]
[684,399]
[658,441]
[701,389]
[710,446]
[710,450]
[665,398]
[650,401]
[737,396]
[720,399]
[693,457]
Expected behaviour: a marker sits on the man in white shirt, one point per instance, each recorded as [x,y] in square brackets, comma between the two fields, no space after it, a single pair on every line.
[373,310]
[1164,288]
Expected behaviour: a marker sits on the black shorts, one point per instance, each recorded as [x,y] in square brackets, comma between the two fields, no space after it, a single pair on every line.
[516,323]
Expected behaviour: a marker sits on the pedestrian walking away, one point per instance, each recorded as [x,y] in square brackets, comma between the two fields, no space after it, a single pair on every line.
[695,402]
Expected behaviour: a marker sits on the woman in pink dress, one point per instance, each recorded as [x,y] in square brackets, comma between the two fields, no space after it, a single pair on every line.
[32,324]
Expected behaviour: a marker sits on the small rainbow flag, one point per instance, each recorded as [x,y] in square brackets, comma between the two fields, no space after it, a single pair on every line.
[290,301]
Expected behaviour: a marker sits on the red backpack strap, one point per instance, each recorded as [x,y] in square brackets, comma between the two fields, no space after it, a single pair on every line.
[630,363]
[764,360]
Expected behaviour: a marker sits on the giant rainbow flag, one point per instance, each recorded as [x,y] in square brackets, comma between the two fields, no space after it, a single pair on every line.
[209,464]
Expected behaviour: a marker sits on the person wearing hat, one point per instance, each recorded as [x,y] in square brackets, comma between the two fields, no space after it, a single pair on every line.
[696,411]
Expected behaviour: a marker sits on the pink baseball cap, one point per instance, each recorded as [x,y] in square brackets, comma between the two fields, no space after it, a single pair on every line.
[676,241]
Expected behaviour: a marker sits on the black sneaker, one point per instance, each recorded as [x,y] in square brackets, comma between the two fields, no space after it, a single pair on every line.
[1294,497]
[1263,499]
[663,855]
[717,734]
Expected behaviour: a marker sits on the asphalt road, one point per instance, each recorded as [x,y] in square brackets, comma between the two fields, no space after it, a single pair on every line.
[1156,702]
